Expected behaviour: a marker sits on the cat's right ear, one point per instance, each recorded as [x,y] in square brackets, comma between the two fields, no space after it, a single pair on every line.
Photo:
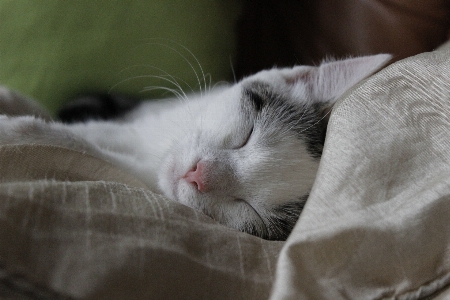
[327,82]
[324,84]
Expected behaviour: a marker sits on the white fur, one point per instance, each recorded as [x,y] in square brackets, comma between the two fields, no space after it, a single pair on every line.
[161,141]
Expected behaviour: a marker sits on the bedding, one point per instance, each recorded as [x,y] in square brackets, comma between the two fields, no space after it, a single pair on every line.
[376,225]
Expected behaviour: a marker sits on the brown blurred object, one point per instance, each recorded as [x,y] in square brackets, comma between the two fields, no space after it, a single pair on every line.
[288,32]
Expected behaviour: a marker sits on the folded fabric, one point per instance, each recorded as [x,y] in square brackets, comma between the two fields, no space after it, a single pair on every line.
[377,222]
[73,225]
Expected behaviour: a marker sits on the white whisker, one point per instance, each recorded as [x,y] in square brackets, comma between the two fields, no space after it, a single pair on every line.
[196,60]
[185,59]
[173,79]
[232,70]
[226,83]
[173,91]
[175,83]
[317,122]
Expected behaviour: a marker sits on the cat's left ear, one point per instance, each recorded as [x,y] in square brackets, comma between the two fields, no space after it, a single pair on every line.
[330,80]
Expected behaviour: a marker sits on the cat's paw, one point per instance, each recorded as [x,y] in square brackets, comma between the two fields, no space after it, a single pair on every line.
[15,104]
[96,107]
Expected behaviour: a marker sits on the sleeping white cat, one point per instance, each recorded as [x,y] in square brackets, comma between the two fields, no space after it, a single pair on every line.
[246,155]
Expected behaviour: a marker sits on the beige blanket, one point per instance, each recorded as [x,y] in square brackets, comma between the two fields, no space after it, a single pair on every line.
[377,223]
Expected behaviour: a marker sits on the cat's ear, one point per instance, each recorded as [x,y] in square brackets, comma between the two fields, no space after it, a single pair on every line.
[327,82]
[324,84]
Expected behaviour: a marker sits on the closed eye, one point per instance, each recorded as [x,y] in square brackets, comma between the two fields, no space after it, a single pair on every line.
[247,138]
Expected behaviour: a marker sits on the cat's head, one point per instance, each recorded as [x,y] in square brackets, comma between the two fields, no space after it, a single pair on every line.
[251,156]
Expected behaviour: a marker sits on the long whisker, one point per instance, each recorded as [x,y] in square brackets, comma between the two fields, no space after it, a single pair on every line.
[173,91]
[185,59]
[298,121]
[195,58]
[226,83]
[175,83]
[317,122]
[232,70]
[174,78]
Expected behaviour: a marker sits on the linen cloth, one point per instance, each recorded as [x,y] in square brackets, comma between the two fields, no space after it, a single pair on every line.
[376,224]
[74,226]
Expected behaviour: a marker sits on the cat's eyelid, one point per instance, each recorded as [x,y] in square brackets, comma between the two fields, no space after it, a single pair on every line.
[248,138]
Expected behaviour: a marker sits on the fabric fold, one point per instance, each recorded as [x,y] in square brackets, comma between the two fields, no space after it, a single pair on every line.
[376,224]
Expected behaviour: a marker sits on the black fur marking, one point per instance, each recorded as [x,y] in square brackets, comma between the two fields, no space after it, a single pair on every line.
[313,130]
[305,120]
[283,219]
[256,99]
[252,229]
[96,107]
[257,93]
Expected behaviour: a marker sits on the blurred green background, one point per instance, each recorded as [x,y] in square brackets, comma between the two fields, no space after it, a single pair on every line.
[52,50]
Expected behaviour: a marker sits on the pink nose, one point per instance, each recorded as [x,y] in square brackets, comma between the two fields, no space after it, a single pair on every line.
[195,176]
